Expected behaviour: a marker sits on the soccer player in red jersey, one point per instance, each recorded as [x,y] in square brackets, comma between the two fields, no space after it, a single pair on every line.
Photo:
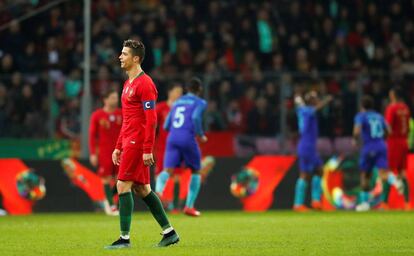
[133,152]
[104,130]
[175,90]
[398,115]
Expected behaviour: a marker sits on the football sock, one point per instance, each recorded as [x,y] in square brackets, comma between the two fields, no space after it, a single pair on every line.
[364,196]
[385,190]
[194,188]
[108,193]
[300,191]
[126,206]
[316,188]
[161,181]
[155,206]
[176,199]
[406,190]
[391,178]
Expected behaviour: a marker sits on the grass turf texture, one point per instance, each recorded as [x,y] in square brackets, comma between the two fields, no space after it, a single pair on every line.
[215,233]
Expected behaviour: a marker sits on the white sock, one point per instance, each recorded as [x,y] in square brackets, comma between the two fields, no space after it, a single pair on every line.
[168,230]
[126,237]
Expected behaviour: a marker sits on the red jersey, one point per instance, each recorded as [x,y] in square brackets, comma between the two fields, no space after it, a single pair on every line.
[104,130]
[138,113]
[397,116]
[162,112]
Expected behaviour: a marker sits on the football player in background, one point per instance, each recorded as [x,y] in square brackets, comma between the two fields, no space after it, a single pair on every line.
[184,123]
[175,91]
[397,116]
[104,129]
[371,127]
[310,164]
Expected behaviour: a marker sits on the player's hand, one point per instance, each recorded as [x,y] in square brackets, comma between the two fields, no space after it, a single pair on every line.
[204,139]
[116,157]
[148,159]
[93,159]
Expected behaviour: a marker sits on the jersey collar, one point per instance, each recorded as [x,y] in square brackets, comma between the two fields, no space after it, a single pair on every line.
[133,79]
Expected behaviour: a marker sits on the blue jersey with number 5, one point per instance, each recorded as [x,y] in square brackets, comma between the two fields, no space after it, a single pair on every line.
[373,128]
[185,118]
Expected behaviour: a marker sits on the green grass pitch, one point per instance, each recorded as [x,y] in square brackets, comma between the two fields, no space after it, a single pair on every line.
[215,233]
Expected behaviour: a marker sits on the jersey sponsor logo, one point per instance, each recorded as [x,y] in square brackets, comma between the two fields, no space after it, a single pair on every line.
[148,104]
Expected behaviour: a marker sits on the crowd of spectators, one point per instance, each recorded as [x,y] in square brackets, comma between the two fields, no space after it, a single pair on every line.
[254,55]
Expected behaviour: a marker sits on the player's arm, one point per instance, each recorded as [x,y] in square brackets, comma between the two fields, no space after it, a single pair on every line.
[167,122]
[389,118]
[116,155]
[321,104]
[197,119]
[93,134]
[387,128]
[149,97]
[356,134]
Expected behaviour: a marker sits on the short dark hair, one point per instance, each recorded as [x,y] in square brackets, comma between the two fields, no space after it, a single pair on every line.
[367,102]
[137,48]
[398,91]
[195,85]
[312,94]
[108,93]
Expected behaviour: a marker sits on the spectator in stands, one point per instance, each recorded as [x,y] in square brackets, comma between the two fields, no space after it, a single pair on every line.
[340,43]
[260,120]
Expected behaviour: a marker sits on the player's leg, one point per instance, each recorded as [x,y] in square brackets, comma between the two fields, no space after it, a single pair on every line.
[301,186]
[402,173]
[126,207]
[364,193]
[126,176]
[172,159]
[162,179]
[366,165]
[397,156]
[157,210]
[176,194]
[388,178]
[106,181]
[316,190]
[300,192]
[192,158]
[105,172]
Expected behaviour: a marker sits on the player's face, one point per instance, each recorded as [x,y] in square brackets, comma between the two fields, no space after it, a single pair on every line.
[127,59]
[112,100]
[391,95]
[175,93]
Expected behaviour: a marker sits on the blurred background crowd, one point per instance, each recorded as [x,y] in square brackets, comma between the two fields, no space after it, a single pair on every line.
[254,57]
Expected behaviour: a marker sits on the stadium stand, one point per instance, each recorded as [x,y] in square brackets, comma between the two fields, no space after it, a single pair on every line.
[245,51]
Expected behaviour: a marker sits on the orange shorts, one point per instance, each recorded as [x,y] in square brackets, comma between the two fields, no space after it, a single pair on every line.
[132,167]
[397,153]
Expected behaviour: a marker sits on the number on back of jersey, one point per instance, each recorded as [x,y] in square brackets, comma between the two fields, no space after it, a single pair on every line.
[179,117]
[376,128]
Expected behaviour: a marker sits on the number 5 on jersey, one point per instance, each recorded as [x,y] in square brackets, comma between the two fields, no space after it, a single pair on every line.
[179,117]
